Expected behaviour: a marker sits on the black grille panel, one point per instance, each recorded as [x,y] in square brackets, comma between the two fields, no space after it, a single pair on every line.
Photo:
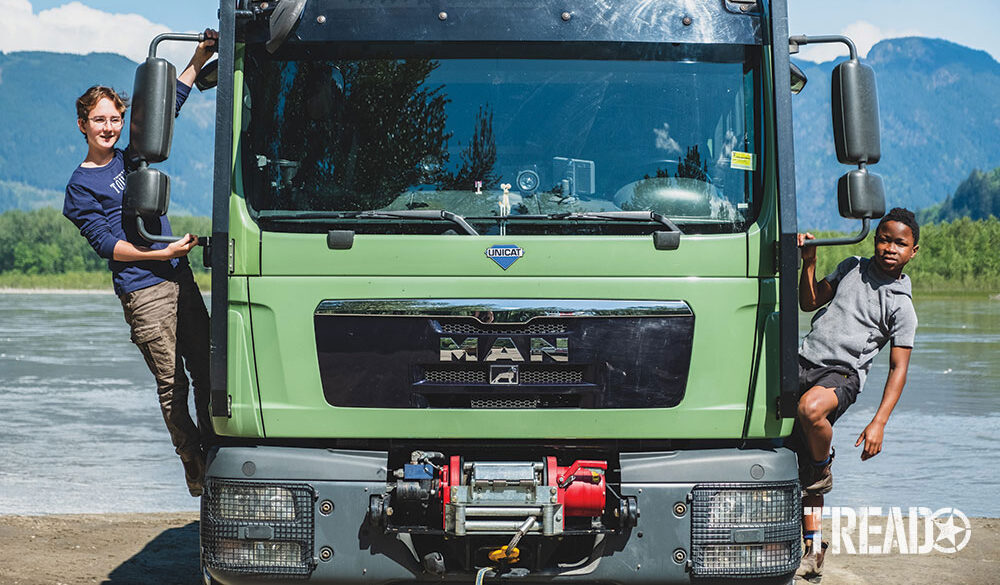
[472,328]
[455,376]
[275,539]
[552,376]
[605,354]
[479,374]
[503,402]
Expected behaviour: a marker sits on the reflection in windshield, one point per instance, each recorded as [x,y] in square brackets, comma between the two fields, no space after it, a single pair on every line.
[465,135]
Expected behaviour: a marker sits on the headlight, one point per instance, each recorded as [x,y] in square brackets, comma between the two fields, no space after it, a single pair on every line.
[730,506]
[745,530]
[253,502]
[263,554]
[758,559]
[258,528]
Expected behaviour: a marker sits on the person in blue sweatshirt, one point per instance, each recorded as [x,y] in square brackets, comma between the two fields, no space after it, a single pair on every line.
[161,302]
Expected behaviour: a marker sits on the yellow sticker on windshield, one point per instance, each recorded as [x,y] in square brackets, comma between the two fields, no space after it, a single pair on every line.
[743,160]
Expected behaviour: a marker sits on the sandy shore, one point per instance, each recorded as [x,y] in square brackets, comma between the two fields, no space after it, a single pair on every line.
[162,549]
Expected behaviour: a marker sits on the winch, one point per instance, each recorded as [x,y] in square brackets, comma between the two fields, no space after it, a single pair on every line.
[500,497]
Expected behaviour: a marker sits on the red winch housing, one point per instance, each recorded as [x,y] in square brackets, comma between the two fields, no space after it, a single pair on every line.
[580,487]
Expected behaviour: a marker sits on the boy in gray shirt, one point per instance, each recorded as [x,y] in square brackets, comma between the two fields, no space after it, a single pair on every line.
[870,303]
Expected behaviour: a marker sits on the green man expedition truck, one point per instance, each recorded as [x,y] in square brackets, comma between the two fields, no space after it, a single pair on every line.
[504,291]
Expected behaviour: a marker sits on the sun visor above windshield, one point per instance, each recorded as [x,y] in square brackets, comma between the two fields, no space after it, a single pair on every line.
[529,20]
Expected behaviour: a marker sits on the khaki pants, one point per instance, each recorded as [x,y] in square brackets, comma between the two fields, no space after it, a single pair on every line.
[170,327]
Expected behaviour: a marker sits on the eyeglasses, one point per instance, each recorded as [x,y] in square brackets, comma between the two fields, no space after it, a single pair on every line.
[115,121]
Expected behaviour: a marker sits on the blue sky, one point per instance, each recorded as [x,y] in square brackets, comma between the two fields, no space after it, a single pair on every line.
[972,23]
[176,14]
[125,26]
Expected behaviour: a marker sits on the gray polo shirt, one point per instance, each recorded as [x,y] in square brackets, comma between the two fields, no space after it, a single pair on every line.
[868,309]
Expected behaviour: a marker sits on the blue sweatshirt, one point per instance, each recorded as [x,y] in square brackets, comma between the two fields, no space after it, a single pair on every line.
[94,203]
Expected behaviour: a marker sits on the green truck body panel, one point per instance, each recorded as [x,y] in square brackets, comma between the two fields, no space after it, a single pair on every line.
[721,276]
[292,400]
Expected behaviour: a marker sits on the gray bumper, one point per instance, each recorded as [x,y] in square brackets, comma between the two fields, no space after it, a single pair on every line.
[361,554]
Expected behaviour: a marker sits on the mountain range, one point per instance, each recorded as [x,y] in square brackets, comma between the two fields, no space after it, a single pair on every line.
[40,145]
[939,106]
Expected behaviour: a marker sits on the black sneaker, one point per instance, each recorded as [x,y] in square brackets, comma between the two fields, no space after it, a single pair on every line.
[816,479]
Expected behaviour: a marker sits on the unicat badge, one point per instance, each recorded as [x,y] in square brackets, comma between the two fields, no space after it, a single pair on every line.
[504,254]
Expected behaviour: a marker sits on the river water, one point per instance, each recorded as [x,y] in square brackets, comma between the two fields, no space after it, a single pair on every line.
[80,430]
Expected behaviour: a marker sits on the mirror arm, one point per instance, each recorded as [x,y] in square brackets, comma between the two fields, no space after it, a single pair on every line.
[197,38]
[152,237]
[796,40]
[865,223]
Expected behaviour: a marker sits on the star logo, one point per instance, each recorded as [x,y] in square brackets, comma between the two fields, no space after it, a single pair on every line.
[947,530]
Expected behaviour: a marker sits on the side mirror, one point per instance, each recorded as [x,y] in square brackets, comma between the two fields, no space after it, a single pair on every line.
[147,193]
[208,77]
[151,127]
[147,197]
[855,113]
[798,78]
[154,104]
[861,195]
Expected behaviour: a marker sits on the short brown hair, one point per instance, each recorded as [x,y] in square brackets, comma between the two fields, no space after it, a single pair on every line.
[89,99]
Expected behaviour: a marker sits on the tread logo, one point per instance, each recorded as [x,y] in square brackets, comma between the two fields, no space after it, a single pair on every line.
[504,255]
[868,531]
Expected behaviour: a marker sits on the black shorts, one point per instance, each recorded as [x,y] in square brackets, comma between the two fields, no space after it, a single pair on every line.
[844,381]
[845,384]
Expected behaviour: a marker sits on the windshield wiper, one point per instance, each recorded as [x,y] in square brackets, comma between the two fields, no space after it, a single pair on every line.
[619,216]
[422,214]
[669,239]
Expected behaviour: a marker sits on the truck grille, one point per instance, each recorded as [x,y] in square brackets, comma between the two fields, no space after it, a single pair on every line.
[467,328]
[454,376]
[439,353]
[546,375]
[503,403]
[552,376]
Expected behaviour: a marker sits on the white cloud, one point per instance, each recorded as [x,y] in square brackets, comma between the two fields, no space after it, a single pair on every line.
[664,141]
[863,33]
[78,28]
[728,146]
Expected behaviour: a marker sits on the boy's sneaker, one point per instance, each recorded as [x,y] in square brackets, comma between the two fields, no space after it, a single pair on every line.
[194,473]
[811,567]
[816,479]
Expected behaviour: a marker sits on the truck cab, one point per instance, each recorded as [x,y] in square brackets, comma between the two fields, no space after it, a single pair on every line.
[503,290]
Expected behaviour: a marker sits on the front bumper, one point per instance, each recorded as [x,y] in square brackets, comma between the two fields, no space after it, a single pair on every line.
[298,514]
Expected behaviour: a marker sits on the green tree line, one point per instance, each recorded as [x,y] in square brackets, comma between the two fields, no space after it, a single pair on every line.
[38,244]
[955,256]
[977,197]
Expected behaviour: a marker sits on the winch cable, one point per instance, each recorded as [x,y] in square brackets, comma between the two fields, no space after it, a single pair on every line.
[508,553]
[482,574]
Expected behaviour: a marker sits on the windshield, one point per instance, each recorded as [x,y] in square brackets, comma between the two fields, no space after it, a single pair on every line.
[484,132]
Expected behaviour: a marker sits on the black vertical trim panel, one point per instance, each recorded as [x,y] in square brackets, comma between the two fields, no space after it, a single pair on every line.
[222,187]
[788,261]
